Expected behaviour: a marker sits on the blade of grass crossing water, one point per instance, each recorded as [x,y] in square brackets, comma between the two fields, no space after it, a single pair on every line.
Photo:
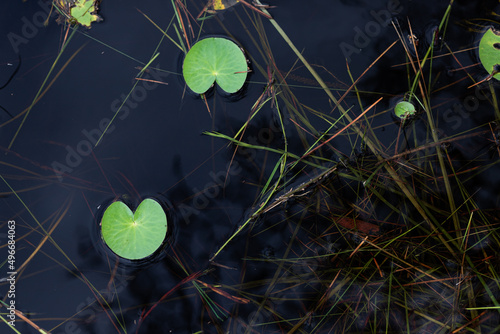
[43,85]
[10,326]
[164,32]
[126,98]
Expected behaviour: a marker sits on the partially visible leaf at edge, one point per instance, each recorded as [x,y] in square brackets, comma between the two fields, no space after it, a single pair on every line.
[489,51]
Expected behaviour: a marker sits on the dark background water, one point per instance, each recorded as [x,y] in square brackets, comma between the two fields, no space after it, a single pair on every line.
[157,149]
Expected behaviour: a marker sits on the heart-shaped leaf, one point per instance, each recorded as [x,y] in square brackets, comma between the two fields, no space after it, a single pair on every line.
[134,235]
[489,51]
[404,109]
[215,59]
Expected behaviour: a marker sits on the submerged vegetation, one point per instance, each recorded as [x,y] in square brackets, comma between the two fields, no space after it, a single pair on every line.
[358,223]
[135,235]
[215,59]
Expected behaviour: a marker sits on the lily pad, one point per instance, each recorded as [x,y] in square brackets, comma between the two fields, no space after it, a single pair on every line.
[223,4]
[404,109]
[84,12]
[134,235]
[489,51]
[215,59]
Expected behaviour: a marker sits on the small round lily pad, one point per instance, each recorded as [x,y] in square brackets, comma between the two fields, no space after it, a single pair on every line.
[134,235]
[215,59]
[489,51]
[404,109]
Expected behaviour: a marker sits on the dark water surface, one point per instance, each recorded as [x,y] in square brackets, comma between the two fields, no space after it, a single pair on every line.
[156,148]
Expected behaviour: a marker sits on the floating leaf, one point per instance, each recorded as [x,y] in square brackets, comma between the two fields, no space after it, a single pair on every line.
[223,4]
[215,59]
[360,225]
[84,12]
[404,109]
[489,51]
[134,235]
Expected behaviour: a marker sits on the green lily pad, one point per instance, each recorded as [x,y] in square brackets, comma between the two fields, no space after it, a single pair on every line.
[83,11]
[134,235]
[215,59]
[404,109]
[489,51]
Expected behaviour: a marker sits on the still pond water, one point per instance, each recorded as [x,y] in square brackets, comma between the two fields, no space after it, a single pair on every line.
[156,147]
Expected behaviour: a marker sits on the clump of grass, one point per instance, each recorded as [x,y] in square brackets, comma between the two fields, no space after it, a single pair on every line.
[392,240]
